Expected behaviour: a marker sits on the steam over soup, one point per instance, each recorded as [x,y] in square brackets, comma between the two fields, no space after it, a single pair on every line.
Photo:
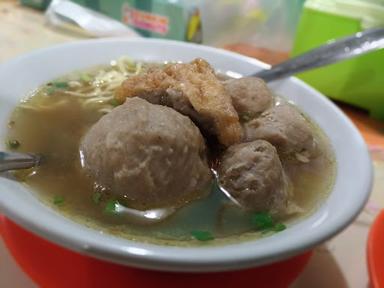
[145,135]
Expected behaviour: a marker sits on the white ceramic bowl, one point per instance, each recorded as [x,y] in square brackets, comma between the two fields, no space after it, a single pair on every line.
[354,172]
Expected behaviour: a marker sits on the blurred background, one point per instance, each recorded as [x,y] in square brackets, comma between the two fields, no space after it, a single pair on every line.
[269,30]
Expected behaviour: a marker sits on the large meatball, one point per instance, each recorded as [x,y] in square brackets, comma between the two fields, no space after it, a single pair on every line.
[149,154]
[250,96]
[286,129]
[253,174]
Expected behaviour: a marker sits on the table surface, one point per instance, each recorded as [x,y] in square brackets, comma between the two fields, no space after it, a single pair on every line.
[23,29]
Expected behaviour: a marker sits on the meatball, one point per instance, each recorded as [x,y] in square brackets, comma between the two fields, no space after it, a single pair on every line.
[192,89]
[287,129]
[150,155]
[253,174]
[250,96]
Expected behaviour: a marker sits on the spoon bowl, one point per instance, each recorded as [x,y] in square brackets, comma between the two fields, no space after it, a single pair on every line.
[15,161]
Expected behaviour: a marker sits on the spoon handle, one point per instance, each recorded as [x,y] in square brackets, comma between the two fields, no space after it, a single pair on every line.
[12,160]
[352,46]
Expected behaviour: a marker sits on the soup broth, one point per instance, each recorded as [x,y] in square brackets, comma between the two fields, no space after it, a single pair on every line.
[52,122]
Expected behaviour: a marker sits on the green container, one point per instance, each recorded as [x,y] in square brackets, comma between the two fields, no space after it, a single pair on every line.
[358,81]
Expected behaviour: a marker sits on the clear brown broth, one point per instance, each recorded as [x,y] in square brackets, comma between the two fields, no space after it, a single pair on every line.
[54,124]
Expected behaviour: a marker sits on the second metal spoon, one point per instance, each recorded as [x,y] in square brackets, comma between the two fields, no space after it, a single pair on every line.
[345,48]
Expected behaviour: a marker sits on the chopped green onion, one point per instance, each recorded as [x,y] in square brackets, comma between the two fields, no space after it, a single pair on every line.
[202,235]
[262,221]
[58,200]
[85,77]
[96,197]
[13,144]
[50,90]
[111,207]
[279,227]
[114,102]
[60,85]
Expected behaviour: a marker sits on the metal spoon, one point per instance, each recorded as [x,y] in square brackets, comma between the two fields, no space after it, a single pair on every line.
[345,48]
[14,161]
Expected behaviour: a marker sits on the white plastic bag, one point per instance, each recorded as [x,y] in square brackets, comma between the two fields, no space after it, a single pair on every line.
[69,15]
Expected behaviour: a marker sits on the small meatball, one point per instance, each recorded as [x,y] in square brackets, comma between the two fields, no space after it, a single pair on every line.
[253,174]
[150,155]
[193,90]
[250,96]
[286,128]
